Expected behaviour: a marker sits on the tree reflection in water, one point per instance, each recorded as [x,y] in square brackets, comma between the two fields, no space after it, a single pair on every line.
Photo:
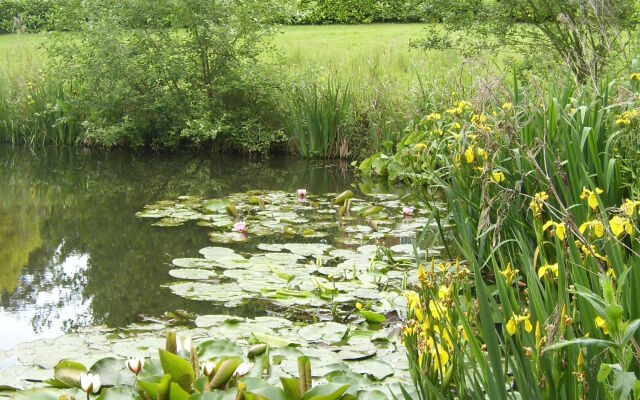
[72,252]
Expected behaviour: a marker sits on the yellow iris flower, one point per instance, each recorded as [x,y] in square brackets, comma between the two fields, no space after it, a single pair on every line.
[517,320]
[590,196]
[620,226]
[553,269]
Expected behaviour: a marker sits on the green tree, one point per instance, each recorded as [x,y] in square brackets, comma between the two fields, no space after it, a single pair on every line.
[583,34]
[157,73]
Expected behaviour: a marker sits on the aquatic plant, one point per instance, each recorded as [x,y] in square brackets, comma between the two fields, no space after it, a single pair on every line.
[541,194]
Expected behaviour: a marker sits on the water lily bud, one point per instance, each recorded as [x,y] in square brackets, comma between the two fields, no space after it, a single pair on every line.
[135,364]
[208,368]
[90,383]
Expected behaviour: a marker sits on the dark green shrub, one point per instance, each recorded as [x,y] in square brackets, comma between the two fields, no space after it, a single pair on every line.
[162,87]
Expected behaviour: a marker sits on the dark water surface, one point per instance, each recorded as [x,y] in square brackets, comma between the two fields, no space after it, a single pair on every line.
[72,252]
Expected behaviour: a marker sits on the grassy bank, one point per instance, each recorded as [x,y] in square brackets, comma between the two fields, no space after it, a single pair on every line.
[383,81]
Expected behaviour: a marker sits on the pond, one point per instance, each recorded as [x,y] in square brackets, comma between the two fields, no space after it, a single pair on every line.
[125,239]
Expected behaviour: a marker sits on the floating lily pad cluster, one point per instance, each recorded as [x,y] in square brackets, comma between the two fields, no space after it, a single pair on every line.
[281,259]
[370,359]
[314,260]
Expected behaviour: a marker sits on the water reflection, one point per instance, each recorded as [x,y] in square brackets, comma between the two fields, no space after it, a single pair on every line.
[72,252]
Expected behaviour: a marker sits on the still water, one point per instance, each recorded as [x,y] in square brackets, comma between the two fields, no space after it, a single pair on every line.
[72,252]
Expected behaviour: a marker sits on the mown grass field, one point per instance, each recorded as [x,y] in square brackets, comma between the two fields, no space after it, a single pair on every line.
[359,52]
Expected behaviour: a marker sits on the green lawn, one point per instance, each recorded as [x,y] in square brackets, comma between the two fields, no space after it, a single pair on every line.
[362,52]
[359,52]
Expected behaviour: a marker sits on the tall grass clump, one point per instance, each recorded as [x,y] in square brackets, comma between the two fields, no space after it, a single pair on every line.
[34,108]
[544,220]
[318,117]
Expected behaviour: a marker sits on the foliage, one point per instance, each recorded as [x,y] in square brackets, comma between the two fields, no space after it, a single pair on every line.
[318,119]
[541,193]
[358,11]
[27,15]
[583,34]
[157,87]
[178,373]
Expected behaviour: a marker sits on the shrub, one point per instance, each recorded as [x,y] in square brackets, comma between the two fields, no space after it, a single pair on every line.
[163,87]
[27,15]
[360,11]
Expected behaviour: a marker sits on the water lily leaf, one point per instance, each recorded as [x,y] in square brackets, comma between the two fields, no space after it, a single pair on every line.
[273,341]
[192,273]
[215,205]
[47,394]
[329,391]
[197,263]
[213,253]
[373,317]
[112,372]
[371,395]
[376,369]
[291,388]
[326,331]
[275,247]
[119,393]
[180,369]
[217,349]
[68,372]
[307,249]
[259,389]
[207,321]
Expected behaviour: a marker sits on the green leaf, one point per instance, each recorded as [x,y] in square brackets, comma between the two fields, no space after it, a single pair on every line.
[328,391]
[68,372]
[216,349]
[177,393]
[604,371]
[273,341]
[157,387]
[623,384]
[580,342]
[113,372]
[632,327]
[119,393]
[224,371]
[374,317]
[291,388]
[180,369]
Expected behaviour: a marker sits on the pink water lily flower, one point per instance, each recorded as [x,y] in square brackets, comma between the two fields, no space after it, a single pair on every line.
[407,211]
[240,227]
[302,194]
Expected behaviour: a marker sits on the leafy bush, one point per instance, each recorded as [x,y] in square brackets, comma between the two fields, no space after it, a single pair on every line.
[582,34]
[27,15]
[162,87]
[360,11]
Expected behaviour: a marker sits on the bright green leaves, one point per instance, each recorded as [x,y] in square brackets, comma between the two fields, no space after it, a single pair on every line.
[180,369]
[67,374]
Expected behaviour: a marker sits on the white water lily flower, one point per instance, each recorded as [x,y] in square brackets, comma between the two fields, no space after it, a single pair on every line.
[242,370]
[135,364]
[184,344]
[208,368]
[90,383]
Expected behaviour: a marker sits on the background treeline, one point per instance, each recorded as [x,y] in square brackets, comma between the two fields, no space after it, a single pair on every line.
[44,15]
